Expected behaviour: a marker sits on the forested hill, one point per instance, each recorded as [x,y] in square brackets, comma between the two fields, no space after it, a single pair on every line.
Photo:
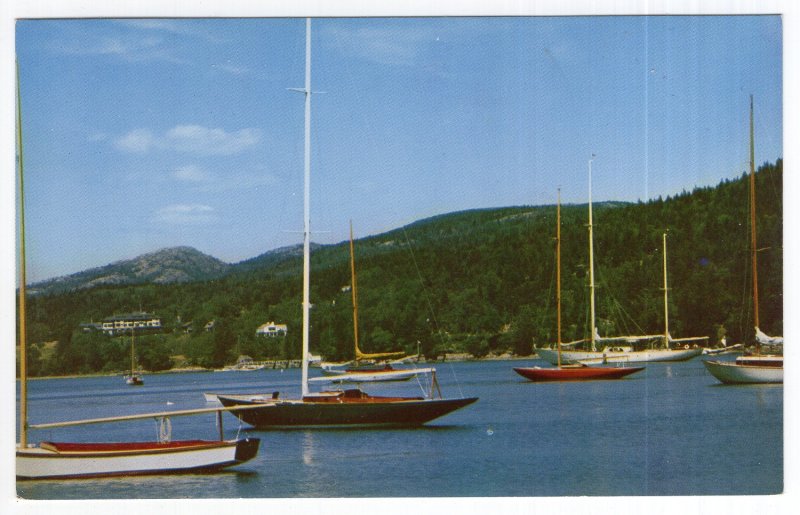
[478,281]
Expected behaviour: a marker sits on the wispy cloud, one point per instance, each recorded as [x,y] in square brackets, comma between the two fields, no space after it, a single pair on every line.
[185,214]
[195,139]
[130,47]
[231,68]
[191,173]
[137,140]
[206,141]
[399,44]
[203,180]
[146,40]
[177,27]
[384,45]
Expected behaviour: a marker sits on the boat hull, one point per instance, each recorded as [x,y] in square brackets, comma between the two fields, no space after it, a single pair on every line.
[643,356]
[91,460]
[730,372]
[338,412]
[374,377]
[575,374]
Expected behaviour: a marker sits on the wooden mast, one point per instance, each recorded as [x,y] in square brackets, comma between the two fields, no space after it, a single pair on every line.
[23,358]
[753,247]
[558,276]
[591,262]
[133,354]
[353,292]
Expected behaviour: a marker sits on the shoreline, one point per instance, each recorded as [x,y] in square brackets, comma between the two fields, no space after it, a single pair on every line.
[188,370]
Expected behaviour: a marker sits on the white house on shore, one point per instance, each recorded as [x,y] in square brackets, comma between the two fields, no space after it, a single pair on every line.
[271,329]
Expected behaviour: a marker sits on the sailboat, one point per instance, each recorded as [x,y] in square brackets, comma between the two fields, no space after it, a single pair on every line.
[134,379]
[576,372]
[755,368]
[338,408]
[366,368]
[615,352]
[68,460]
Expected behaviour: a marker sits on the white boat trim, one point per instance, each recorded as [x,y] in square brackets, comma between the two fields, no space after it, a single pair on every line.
[370,377]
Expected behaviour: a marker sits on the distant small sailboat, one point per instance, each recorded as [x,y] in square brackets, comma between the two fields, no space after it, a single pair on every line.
[134,379]
[338,408]
[575,372]
[756,368]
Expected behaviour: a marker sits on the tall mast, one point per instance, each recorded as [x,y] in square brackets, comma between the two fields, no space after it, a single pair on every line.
[591,261]
[666,296]
[558,276]
[306,212]
[23,358]
[353,291]
[133,353]
[753,223]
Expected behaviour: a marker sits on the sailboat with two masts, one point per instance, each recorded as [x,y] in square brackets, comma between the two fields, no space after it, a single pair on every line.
[623,350]
[366,368]
[757,367]
[573,372]
[337,408]
[78,460]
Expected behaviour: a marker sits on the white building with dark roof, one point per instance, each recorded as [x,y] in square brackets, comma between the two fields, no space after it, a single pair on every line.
[127,322]
[271,329]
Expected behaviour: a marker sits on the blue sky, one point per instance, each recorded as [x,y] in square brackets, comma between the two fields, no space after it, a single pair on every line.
[144,134]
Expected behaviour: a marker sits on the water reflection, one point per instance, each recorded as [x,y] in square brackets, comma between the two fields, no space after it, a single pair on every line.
[308,447]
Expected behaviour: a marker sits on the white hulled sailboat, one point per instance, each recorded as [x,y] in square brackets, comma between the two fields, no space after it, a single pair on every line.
[617,348]
[757,367]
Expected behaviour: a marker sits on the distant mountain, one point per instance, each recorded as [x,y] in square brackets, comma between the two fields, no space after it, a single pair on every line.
[273,258]
[171,265]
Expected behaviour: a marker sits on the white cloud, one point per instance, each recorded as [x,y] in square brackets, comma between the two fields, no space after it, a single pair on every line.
[137,141]
[206,141]
[231,68]
[205,181]
[179,27]
[191,173]
[385,45]
[183,214]
[195,139]
[130,47]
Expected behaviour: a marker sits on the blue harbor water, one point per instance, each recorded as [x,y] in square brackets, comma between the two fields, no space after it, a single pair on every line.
[671,429]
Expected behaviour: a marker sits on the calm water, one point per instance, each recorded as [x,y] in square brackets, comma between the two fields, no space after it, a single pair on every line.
[668,430]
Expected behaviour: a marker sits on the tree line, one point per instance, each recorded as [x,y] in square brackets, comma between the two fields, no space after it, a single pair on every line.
[480,281]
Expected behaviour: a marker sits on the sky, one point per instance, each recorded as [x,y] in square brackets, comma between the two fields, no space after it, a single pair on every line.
[141,134]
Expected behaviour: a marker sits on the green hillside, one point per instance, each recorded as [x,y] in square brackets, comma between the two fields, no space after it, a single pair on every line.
[476,281]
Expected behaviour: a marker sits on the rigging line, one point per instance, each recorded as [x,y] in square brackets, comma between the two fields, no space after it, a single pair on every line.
[624,317]
[455,378]
[423,388]
[424,289]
